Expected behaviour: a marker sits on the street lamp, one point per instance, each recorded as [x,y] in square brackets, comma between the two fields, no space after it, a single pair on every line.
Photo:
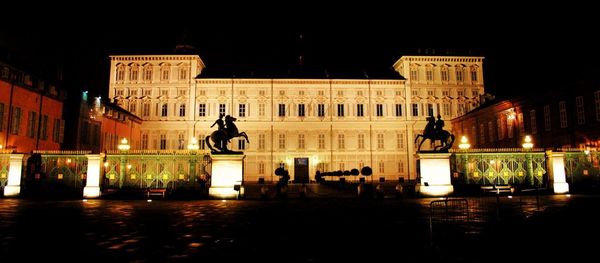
[193,145]
[464,143]
[527,144]
[124,145]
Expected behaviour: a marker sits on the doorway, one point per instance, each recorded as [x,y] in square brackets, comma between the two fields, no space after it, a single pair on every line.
[301,170]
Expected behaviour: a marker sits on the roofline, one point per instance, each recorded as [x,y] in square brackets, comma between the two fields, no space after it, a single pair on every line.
[296,79]
[434,58]
[116,57]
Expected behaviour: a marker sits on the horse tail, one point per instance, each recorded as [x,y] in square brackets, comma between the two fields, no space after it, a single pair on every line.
[417,137]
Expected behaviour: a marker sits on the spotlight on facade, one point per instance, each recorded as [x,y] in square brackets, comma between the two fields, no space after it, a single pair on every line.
[511,115]
[464,143]
[527,144]
[193,145]
[124,145]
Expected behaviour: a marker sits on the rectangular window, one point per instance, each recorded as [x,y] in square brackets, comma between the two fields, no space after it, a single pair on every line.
[340,110]
[444,75]
[321,93]
[242,110]
[481,133]
[144,141]
[164,110]
[31,124]
[222,109]
[379,110]
[56,131]
[181,92]
[562,111]
[241,144]
[547,120]
[414,74]
[282,141]
[15,124]
[533,122]
[181,142]
[146,109]
[399,140]
[261,92]
[379,93]
[183,74]
[580,110]
[165,75]
[261,168]
[430,93]
[415,109]
[509,125]
[321,141]
[340,93]
[163,141]
[380,141]
[361,141]
[201,142]
[597,102]
[401,167]
[429,109]
[360,112]
[459,75]
[301,112]
[281,110]
[182,110]
[300,141]
[1,116]
[381,167]
[491,131]
[261,109]
[341,141]
[261,141]
[164,92]
[429,75]
[132,107]
[44,131]
[446,109]
[359,93]
[147,92]
[202,110]
[474,75]
[398,110]
[321,110]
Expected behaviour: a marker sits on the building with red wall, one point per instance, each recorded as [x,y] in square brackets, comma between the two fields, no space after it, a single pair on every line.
[30,112]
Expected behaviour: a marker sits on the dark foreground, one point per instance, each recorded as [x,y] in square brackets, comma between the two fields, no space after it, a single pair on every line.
[314,230]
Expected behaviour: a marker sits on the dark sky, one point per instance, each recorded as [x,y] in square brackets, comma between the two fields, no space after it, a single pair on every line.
[524,48]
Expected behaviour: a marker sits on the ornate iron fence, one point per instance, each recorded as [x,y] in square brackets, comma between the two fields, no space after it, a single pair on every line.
[499,168]
[67,170]
[156,170]
[582,168]
[4,164]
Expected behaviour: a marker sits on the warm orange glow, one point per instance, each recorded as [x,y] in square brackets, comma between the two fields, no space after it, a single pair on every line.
[464,143]
[124,146]
[527,143]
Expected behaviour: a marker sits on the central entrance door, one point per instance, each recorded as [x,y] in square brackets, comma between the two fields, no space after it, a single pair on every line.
[301,170]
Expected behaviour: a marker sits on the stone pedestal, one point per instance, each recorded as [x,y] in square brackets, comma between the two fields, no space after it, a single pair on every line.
[15,166]
[558,179]
[434,174]
[93,178]
[227,172]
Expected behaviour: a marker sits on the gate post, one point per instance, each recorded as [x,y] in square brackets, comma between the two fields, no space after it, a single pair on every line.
[556,172]
[13,186]
[92,181]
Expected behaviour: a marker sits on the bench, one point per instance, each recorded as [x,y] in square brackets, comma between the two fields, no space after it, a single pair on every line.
[497,189]
[156,192]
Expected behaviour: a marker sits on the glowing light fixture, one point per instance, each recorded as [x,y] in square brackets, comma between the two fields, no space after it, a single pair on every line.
[527,144]
[510,115]
[124,145]
[464,143]
[193,145]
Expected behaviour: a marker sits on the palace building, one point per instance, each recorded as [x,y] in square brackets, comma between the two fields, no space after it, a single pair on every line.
[303,124]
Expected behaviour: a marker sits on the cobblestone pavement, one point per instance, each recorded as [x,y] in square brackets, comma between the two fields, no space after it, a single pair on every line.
[294,230]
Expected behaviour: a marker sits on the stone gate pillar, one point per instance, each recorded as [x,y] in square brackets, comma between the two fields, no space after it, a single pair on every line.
[15,167]
[434,174]
[93,178]
[556,172]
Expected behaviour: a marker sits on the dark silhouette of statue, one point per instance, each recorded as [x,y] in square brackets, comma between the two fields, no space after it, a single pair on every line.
[434,131]
[226,130]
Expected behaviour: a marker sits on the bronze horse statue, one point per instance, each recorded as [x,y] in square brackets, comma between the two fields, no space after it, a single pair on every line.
[433,132]
[225,132]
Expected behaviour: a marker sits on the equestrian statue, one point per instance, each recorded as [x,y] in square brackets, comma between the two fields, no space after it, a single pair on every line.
[434,132]
[226,130]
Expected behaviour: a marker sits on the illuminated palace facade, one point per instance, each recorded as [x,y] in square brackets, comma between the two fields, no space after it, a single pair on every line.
[333,124]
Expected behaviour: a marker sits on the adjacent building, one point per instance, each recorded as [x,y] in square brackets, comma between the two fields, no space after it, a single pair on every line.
[303,124]
[30,112]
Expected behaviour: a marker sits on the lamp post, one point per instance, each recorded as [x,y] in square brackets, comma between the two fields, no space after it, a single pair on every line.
[527,146]
[464,147]
[124,148]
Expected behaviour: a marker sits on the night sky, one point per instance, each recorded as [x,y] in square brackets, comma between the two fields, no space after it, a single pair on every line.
[530,49]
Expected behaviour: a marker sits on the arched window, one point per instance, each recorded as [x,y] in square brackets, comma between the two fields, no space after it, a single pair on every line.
[120,74]
[133,72]
[147,72]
